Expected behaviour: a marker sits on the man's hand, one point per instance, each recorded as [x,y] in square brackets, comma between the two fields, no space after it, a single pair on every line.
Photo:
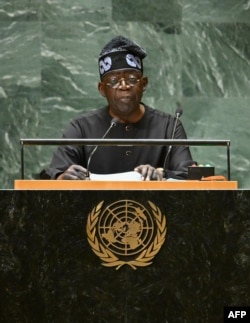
[74,172]
[150,173]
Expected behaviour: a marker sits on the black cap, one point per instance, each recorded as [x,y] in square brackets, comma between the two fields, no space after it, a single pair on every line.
[121,53]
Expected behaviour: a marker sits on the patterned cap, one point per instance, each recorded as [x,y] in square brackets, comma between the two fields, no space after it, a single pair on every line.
[121,53]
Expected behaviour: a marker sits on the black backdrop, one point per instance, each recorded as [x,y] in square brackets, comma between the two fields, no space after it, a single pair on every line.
[49,273]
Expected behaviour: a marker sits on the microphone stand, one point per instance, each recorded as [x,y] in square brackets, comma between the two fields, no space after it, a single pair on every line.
[113,124]
[178,113]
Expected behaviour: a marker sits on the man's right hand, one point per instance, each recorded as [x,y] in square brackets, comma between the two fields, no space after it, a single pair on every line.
[76,172]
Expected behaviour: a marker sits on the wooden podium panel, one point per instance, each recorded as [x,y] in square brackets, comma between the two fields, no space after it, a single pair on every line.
[124,185]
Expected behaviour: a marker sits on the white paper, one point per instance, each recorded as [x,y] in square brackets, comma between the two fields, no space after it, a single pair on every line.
[126,176]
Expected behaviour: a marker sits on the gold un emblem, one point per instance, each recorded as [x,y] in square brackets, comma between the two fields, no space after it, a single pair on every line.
[126,233]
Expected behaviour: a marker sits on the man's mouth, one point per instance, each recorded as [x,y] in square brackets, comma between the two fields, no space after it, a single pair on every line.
[125,98]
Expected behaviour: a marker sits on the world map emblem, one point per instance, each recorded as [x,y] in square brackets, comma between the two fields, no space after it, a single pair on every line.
[126,232]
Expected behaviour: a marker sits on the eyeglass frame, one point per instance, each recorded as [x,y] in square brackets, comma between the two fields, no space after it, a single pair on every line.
[125,79]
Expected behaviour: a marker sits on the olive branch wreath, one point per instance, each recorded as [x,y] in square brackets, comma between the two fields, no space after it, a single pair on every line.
[145,257]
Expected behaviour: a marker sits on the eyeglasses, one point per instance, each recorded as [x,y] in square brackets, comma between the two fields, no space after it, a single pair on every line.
[130,80]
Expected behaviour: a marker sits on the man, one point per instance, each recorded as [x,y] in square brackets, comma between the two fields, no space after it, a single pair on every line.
[122,83]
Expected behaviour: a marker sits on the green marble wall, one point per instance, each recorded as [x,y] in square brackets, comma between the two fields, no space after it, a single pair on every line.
[198,54]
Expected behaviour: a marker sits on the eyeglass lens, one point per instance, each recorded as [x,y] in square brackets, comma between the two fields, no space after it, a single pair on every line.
[130,80]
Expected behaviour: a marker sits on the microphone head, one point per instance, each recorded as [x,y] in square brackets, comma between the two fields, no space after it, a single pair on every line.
[114,122]
[178,111]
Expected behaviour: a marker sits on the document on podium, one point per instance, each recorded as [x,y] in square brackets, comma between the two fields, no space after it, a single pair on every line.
[125,176]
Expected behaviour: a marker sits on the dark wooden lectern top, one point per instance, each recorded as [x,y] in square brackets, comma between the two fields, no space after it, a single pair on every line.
[124,185]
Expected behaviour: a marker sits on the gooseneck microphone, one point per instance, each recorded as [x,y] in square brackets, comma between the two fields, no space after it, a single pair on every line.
[178,113]
[113,123]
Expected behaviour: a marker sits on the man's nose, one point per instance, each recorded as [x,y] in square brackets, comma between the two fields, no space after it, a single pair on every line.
[123,83]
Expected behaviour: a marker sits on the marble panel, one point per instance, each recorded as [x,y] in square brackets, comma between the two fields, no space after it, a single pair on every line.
[216,11]
[20,10]
[70,59]
[20,118]
[20,59]
[166,15]
[218,118]
[216,60]
[91,11]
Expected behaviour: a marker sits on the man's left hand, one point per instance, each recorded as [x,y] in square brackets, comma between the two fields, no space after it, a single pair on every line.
[148,172]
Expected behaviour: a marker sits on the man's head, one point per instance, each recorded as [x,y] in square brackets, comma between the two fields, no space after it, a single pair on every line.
[122,81]
[121,53]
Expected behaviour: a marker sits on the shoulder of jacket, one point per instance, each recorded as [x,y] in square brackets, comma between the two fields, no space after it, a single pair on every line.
[157,112]
[91,114]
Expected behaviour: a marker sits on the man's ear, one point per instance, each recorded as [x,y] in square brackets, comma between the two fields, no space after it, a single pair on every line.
[144,81]
[101,89]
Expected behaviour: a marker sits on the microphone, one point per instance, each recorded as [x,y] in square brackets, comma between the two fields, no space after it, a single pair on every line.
[178,113]
[113,123]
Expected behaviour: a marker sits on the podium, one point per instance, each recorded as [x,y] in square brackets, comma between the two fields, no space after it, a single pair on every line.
[124,185]
[123,252]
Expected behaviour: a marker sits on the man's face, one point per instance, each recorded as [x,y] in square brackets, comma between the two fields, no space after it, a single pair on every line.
[123,90]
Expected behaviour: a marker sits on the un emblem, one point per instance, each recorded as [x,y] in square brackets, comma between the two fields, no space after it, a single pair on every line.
[126,233]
